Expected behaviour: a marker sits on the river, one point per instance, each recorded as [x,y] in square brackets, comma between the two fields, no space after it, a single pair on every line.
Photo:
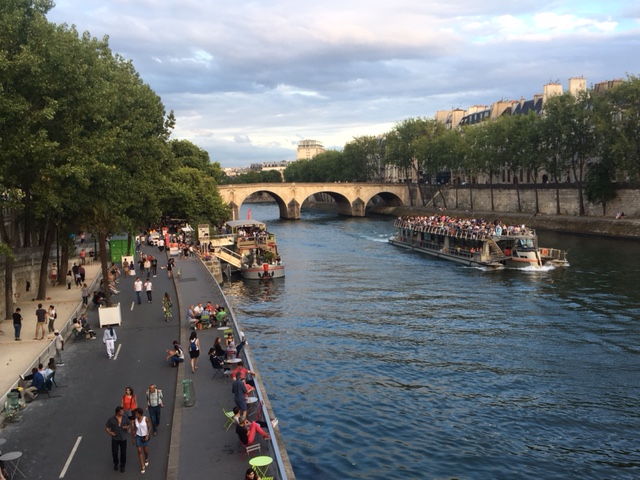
[382,363]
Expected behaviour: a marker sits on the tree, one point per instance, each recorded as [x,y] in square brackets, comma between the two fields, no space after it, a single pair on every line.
[440,153]
[402,143]
[624,101]
[363,157]
[599,188]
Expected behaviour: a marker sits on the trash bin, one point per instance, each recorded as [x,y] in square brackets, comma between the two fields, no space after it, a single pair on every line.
[188,393]
[12,405]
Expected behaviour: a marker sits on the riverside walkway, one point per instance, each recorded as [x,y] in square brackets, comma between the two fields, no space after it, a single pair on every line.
[198,446]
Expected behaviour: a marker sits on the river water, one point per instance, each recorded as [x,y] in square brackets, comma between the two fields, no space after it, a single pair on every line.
[382,363]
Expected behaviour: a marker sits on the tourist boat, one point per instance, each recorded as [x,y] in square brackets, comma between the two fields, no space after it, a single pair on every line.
[475,242]
[249,247]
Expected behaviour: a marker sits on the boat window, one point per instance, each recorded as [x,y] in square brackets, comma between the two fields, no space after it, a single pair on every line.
[526,243]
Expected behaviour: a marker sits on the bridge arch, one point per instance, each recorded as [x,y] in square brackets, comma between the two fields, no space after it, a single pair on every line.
[351,198]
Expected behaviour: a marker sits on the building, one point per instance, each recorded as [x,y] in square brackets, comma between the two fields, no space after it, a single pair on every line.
[308,149]
[267,166]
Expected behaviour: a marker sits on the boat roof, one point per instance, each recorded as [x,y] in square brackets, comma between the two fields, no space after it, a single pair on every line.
[245,223]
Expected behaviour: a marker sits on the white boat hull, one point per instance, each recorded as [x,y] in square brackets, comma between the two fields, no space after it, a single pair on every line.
[264,271]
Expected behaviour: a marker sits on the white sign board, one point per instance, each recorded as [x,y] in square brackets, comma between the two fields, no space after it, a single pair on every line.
[110,315]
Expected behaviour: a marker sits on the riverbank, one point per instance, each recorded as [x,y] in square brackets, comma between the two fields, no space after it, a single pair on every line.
[586,225]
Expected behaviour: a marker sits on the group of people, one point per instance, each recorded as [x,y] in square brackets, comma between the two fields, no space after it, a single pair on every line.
[41,379]
[129,419]
[43,317]
[451,225]
[200,316]
[82,327]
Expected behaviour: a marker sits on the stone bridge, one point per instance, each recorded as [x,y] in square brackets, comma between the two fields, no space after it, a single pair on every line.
[351,198]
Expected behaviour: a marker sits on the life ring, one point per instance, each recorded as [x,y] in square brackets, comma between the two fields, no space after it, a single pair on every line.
[545,252]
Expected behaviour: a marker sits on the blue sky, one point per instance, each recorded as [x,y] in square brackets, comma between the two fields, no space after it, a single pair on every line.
[249,79]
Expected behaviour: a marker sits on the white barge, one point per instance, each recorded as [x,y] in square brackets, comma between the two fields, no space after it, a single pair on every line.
[474,242]
[250,248]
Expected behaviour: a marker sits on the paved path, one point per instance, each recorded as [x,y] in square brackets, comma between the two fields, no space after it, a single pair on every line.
[90,386]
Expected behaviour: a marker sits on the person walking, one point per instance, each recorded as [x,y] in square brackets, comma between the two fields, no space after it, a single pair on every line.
[194,351]
[140,434]
[154,405]
[148,286]
[17,324]
[129,402]
[85,295]
[118,428]
[59,343]
[170,265]
[147,265]
[137,287]
[154,266]
[41,319]
[109,339]
[52,315]
[69,279]
[166,306]
[53,274]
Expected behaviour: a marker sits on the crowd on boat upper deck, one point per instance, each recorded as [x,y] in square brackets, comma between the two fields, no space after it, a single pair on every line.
[480,227]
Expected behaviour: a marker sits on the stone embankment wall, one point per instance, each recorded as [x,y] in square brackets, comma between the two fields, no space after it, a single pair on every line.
[26,270]
[506,209]
[506,200]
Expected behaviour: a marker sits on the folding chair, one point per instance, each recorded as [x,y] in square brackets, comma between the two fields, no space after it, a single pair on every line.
[217,365]
[250,449]
[229,421]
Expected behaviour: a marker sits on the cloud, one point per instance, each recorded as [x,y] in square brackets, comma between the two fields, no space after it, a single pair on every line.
[247,80]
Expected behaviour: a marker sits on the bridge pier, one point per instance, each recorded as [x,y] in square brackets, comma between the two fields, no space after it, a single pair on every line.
[358,208]
[235,211]
[292,211]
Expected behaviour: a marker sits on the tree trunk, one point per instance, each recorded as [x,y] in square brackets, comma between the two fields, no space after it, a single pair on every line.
[64,263]
[8,286]
[557,196]
[491,188]
[8,265]
[515,178]
[44,264]
[102,242]
[444,200]
[456,187]
[470,196]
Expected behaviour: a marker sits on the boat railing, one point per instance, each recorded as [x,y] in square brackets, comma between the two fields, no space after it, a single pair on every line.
[553,254]
[462,232]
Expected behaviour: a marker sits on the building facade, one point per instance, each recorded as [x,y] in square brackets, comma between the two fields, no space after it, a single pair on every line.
[308,149]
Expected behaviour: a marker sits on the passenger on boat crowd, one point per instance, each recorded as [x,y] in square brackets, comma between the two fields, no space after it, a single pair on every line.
[479,227]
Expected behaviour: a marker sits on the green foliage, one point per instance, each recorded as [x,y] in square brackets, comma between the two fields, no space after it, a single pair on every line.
[325,167]
[267,176]
[599,187]
[405,141]
[363,159]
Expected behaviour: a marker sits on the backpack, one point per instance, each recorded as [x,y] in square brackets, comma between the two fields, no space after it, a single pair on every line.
[193,346]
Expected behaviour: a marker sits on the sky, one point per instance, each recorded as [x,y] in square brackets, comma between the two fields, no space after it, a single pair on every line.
[248,80]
